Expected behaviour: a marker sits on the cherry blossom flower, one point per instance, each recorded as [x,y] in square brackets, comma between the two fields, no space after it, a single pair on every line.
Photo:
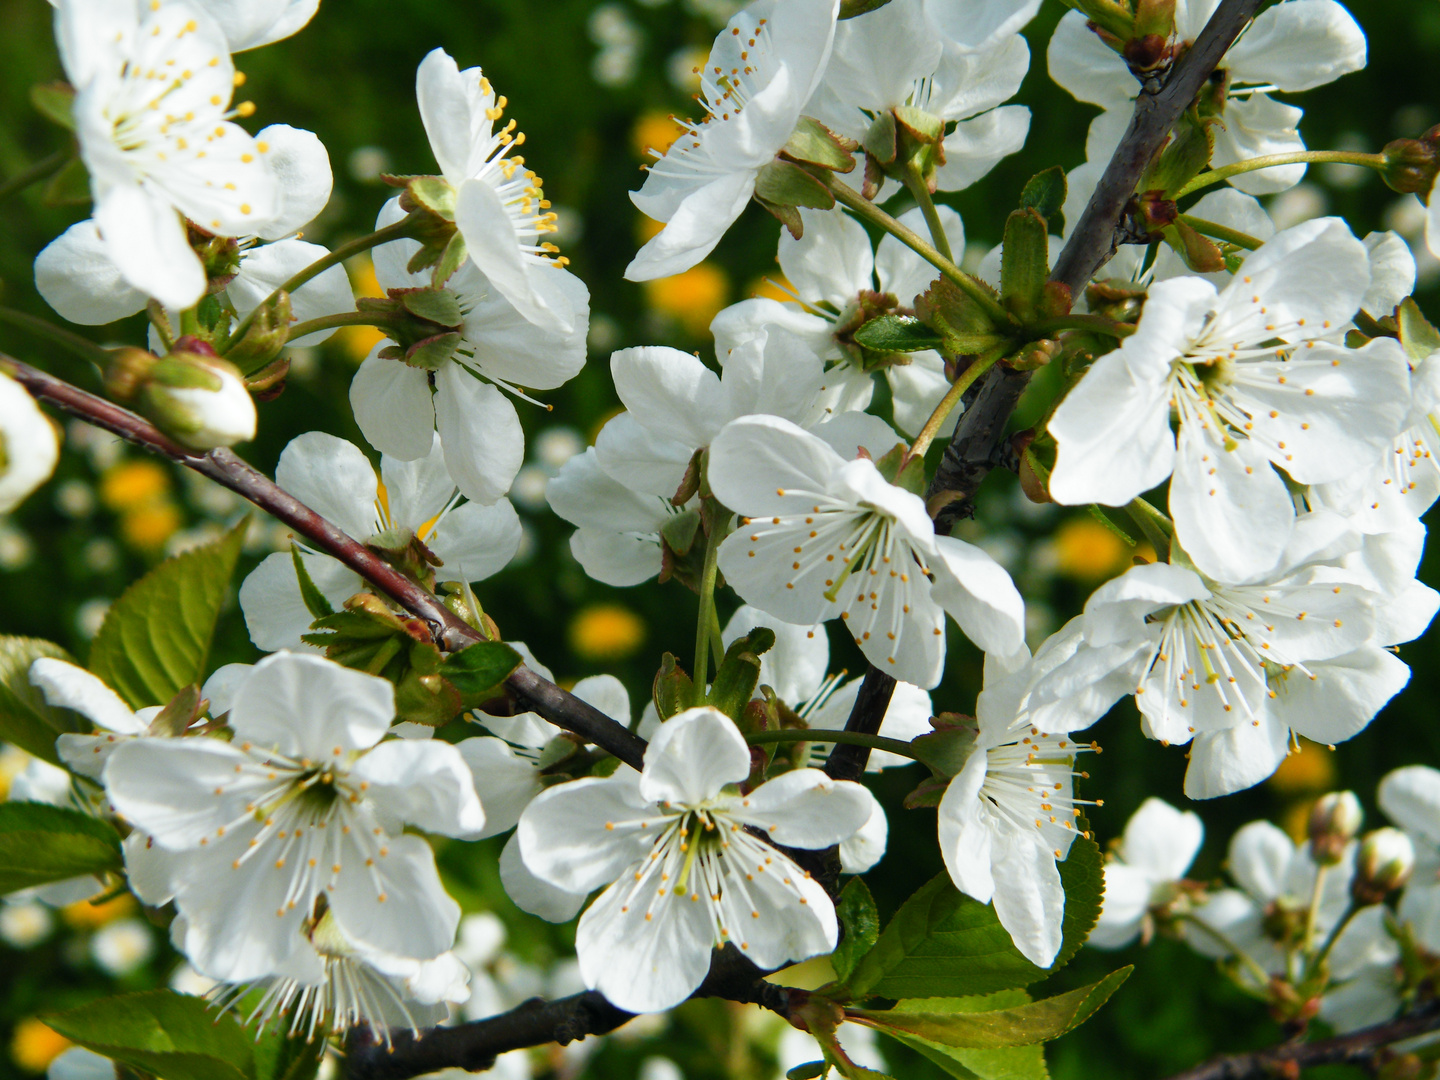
[307,801]
[683,874]
[1308,406]
[29,443]
[1153,856]
[67,686]
[153,121]
[836,277]
[1289,47]
[816,526]
[1410,797]
[409,501]
[398,405]
[758,77]
[1009,816]
[500,205]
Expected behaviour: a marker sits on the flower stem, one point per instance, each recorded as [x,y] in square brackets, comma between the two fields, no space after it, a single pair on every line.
[1312,913]
[1156,526]
[43,168]
[343,318]
[963,382]
[80,346]
[161,322]
[400,230]
[1270,161]
[1094,323]
[848,738]
[868,211]
[1220,938]
[707,621]
[1222,232]
[1323,954]
[921,191]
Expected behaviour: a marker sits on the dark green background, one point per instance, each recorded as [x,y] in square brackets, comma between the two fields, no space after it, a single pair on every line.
[350,78]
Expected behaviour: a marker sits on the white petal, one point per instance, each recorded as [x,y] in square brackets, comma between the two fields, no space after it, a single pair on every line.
[505,781]
[333,478]
[398,905]
[805,808]
[1161,840]
[967,841]
[976,146]
[671,393]
[484,443]
[275,612]
[695,228]
[1259,126]
[1260,857]
[696,753]
[250,25]
[899,269]
[165,786]
[1127,899]
[505,346]
[975,23]
[425,783]
[67,686]
[1410,797]
[301,164]
[220,687]
[1117,611]
[1029,900]
[77,277]
[475,542]
[1084,65]
[831,261]
[606,693]
[563,838]
[755,456]
[393,406]
[450,103]
[146,240]
[1298,46]
[1392,272]
[308,706]
[795,666]
[416,490]
[867,847]
[979,595]
[1344,696]
[632,454]
[916,390]
[532,894]
[265,269]
[1225,761]
[614,558]
[491,240]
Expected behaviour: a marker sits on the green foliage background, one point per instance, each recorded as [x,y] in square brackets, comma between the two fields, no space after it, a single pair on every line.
[350,78]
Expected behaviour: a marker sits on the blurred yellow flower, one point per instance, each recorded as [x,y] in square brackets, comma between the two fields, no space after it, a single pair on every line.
[606,632]
[13,761]
[34,1045]
[1310,770]
[692,298]
[1087,551]
[357,341]
[84,915]
[646,229]
[131,484]
[771,287]
[148,527]
[654,131]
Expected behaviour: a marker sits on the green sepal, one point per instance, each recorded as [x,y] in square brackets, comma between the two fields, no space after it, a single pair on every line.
[739,672]
[68,187]
[921,126]
[963,325]
[849,9]
[40,844]
[1155,18]
[56,102]
[433,193]
[786,215]
[860,919]
[315,601]
[947,748]
[174,373]
[1417,334]
[880,140]
[478,670]
[1024,263]
[560,748]
[674,690]
[26,718]
[267,334]
[897,334]
[680,530]
[176,717]
[810,1070]
[1201,254]
[433,353]
[1185,155]
[172,1036]
[1021,1025]
[812,143]
[156,638]
[783,183]
[1045,194]
[452,257]
[439,306]
[902,470]
[425,696]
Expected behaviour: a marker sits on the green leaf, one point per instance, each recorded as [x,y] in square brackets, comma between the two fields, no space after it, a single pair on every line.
[1024,262]
[172,1035]
[963,325]
[783,183]
[1185,154]
[1008,1063]
[815,144]
[435,194]
[1045,194]
[40,844]
[858,915]
[156,638]
[25,719]
[897,334]
[942,943]
[1416,334]
[281,1057]
[315,601]
[739,672]
[480,668]
[435,305]
[1020,1025]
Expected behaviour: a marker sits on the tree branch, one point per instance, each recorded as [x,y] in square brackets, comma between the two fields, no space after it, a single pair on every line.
[971,453]
[1361,1048]
[449,630]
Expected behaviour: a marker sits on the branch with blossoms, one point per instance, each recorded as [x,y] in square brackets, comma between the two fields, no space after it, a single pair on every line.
[1279,384]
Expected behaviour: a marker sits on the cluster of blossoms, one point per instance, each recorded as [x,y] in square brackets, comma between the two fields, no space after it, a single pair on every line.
[280,815]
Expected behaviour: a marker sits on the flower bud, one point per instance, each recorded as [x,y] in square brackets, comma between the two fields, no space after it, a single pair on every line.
[1385,862]
[198,398]
[1411,164]
[1335,820]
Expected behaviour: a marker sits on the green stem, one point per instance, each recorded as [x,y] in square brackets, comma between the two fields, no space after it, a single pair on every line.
[963,382]
[849,738]
[342,318]
[161,322]
[1339,928]
[43,168]
[717,646]
[1269,161]
[868,211]
[81,346]
[1156,526]
[921,192]
[1260,974]
[1097,324]
[1222,232]
[707,619]
[401,230]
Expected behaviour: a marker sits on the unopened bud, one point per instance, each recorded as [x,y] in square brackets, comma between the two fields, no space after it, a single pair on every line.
[1411,164]
[1385,862]
[1335,820]
[198,398]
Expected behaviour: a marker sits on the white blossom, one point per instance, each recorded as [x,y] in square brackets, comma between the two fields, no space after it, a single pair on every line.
[1246,405]
[815,526]
[758,77]
[67,686]
[1152,857]
[307,801]
[29,445]
[683,875]
[409,500]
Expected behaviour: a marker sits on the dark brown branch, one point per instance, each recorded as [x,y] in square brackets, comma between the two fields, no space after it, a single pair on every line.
[449,630]
[1363,1048]
[971,453]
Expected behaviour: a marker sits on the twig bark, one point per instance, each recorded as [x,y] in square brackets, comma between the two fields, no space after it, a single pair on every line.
[449,630]
[1364,1047]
